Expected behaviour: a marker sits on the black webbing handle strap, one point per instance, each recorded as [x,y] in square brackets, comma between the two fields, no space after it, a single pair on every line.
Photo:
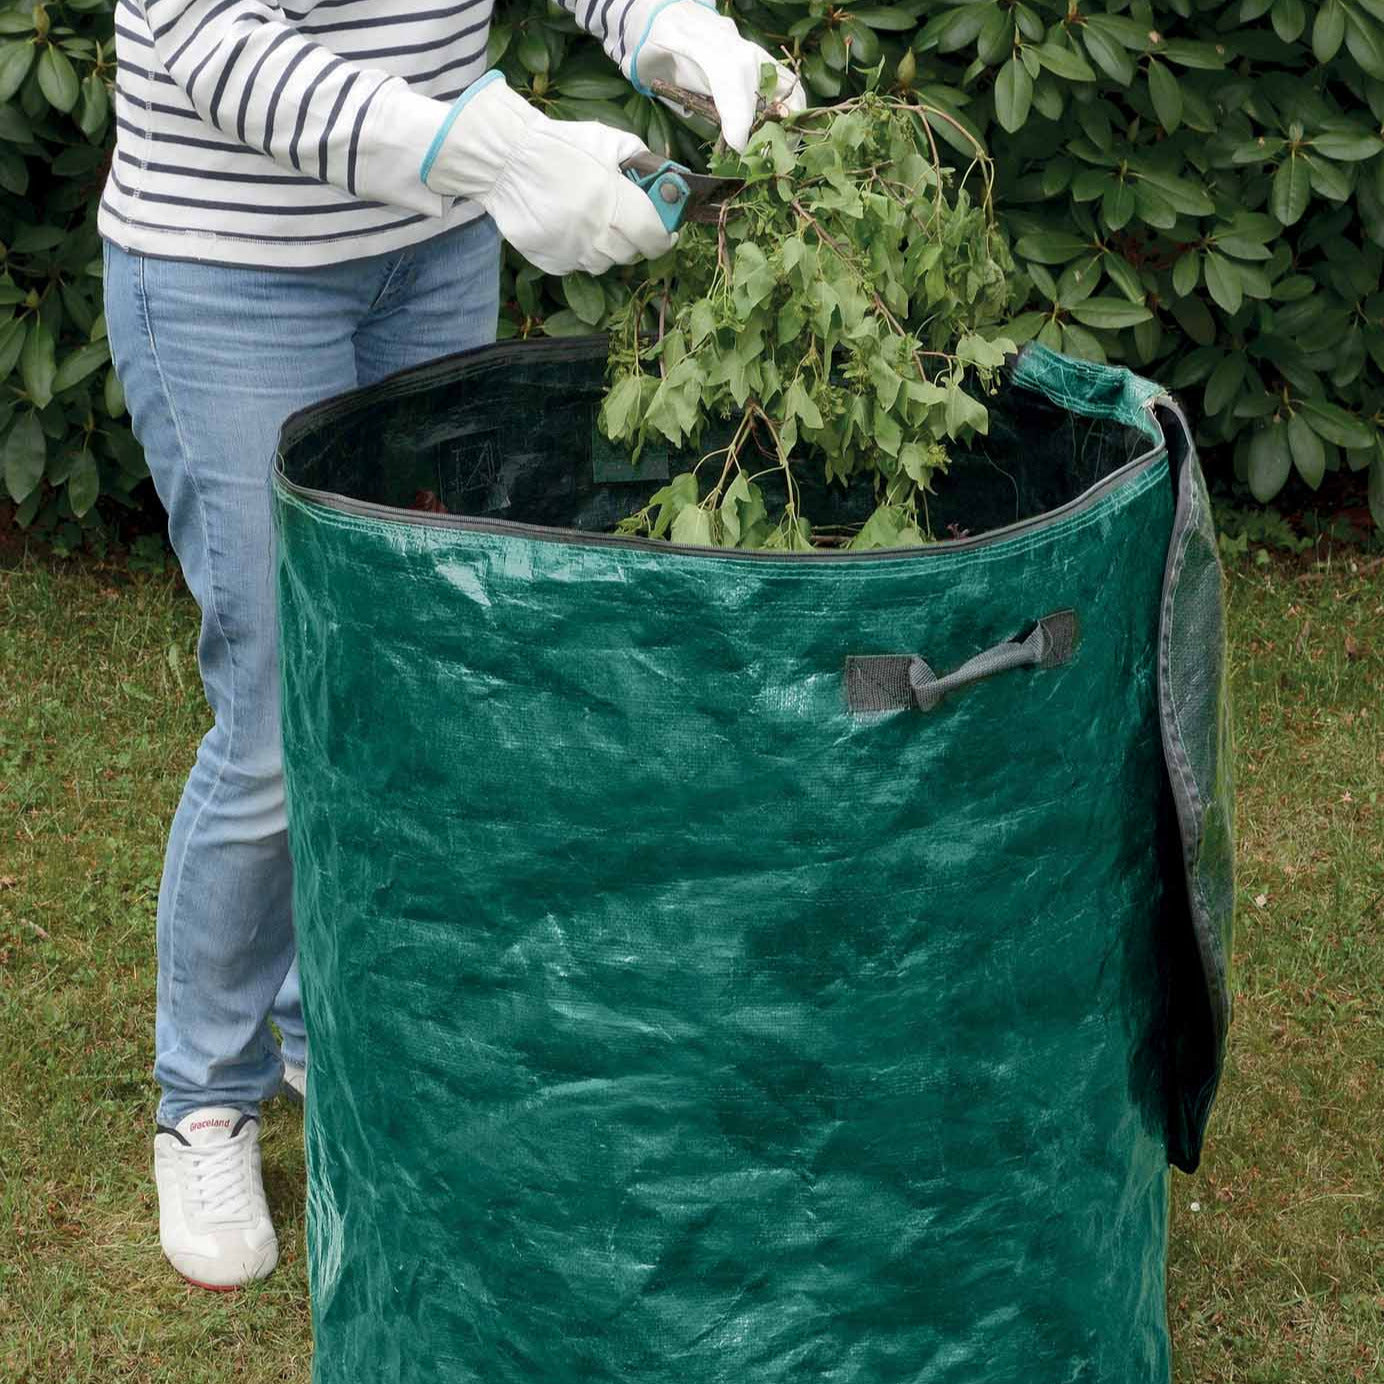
[899,682]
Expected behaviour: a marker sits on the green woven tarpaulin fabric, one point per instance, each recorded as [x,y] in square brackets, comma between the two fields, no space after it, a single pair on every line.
[676,1015]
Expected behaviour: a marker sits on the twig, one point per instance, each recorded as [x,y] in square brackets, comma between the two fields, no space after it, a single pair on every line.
[662,310]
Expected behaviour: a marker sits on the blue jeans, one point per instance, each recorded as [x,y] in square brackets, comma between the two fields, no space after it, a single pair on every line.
[212,360]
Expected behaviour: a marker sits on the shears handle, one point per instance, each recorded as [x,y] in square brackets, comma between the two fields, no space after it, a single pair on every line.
[665,183]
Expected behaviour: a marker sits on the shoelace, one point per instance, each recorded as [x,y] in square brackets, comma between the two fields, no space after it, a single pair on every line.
[219,1179]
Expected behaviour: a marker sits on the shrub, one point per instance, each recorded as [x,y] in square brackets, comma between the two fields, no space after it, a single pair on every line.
[62,415]
[1193,189]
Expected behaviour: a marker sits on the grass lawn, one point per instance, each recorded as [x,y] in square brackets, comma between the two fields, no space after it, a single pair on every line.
[1277,1272]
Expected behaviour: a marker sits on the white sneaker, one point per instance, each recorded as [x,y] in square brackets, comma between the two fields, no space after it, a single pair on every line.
[214,1222]
[295,1082]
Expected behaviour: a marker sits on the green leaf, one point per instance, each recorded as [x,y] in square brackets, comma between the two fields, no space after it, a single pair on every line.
[95,107]
[12,337]
[1124,276]
[1051,247]
[23,455]
[57,79]
[1270,461]
[672,499]
[78,364]
[591,86]
[585,297]
[1108,55]
[1110,313]
[1376,486]
[1210,57]
[798,403]
[14,126]
[833,49]
[1064,62]
[752,278]
[1118,205]
[1328,29]
[36,365]
[83,482]
[112,395]
[1166,96]
[888,527]
[1194,317]
[1328,179]
[863,45]
[884,17]
[1013,95]
[1365,40]
[622,411]
[1335,424]
[1186,272]
[1224,383]
[1309,456]
[1289,19]
[1348,146]
[532,51]
[1291,190]
[1120,29]
[1223,282]
[693,527]
[564,322]
[1077,341]
[16,58]
[14,173]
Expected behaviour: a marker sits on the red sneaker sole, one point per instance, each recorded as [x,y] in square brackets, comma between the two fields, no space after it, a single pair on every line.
[214,1287]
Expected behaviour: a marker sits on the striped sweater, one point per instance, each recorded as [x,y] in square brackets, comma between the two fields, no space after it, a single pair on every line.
[290,135]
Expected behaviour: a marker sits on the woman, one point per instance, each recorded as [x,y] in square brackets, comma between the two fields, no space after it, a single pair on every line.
[304,199]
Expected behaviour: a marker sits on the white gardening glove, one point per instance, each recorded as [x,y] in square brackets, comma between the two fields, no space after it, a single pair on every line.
[688,44]
[553,187]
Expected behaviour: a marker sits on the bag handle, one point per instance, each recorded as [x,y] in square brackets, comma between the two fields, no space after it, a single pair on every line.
[898,682]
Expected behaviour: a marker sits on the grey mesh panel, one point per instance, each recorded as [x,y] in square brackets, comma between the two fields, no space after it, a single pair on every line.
[1194,715]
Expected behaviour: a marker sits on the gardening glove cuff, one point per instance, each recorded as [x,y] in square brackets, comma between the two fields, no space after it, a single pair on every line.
[554,188]
[686,43]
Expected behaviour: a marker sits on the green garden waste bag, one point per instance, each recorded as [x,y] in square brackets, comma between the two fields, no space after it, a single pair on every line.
[740,967]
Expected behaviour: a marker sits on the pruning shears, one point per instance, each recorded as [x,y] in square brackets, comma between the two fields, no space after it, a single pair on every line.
[679,194]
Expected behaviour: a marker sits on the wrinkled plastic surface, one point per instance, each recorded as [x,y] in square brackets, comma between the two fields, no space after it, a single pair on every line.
[671,1024]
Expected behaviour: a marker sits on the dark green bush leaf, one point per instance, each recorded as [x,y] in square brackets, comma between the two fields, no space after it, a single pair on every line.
[1225,382]
[1270,461]
[36,365]
[1166,95]
[78,364]
[1108,55]
[585,297]
[883,17]
[1013,94]
[57,79]
[23,454]
[1347,145]
[16,57]
[1335,424]
[1064,62]
[83,482]
[1289,19]
[1328,29]
[1110,313]
[1051,247]
[1223,282]
[1291,190]
[1309,456]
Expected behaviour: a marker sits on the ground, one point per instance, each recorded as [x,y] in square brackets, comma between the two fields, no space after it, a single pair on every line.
[1277,1267]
